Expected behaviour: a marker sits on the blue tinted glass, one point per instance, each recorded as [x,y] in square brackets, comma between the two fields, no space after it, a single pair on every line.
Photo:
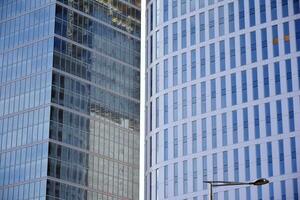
[202,27]
[286,37]
[225,166]
[175,169]
[259,193]
[193,30]
[244,87]
[232,52]
[256,122]
[243,49]
[247,163]
[241,14]
[281,157]
[166,181]
[222,55]
[279,117]
[293,154]
[192,5]
[253,47]
[213,94]
[245,124]
[183,7]
[215,166]
[266,81]
[283,190]
[248,193]
[234,127]
[214,131]
[201,3]
[271,191]
[183,33]
[236,164]
[175,70]
[255,83]
[194,136]
[224,129]
[258,161]
[252,12]
[291,114]
[204,134]
[295,188]
[277,78]
[166,40]
[273,9]
[166,108]
[150,116]
[268,119]
[174,8]
[298,63]
[210,2]
[204,171]
[185,177]
[184,102]
[151,17]
[264,44]
[175,105]
[202,62]
[275,41]
[195,177]
[175,141]
[211,19]
[223,92]
[212,58]
[194,100]
[270,159]
[262,6]
[233,89]
[297,33]
[231,17]
[175,36]
[166,9]
[289,81]
[221,20]
[296,6]
[193,65]
[203,97]
[183,68]
[285,8]
[184,139]
[166,144]
[166,74]
[236,193]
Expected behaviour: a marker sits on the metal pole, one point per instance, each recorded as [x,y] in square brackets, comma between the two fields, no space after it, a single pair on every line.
[211,191]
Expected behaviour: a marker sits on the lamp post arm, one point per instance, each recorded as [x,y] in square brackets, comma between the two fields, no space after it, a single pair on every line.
[230,184]
[224,183]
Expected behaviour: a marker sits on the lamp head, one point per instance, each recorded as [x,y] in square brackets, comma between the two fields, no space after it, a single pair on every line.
[261,181]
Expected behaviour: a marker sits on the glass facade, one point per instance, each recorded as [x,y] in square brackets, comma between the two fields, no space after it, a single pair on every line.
[231,98]
[69,99]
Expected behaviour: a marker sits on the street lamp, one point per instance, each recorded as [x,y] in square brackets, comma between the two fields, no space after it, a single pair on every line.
[258,182]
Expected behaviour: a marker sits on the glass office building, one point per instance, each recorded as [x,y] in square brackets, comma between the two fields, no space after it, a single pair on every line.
[69,99]
[223,98]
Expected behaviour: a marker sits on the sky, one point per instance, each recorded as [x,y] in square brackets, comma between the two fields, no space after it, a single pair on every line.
[142,98]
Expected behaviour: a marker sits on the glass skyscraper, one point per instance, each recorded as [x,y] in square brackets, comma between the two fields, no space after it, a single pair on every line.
[69,99]
[222,99]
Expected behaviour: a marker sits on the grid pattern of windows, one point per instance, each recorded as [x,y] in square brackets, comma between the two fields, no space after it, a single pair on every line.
[233,95]
[69,99]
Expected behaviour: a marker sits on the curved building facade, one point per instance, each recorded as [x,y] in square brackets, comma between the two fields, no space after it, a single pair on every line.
[223,98]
